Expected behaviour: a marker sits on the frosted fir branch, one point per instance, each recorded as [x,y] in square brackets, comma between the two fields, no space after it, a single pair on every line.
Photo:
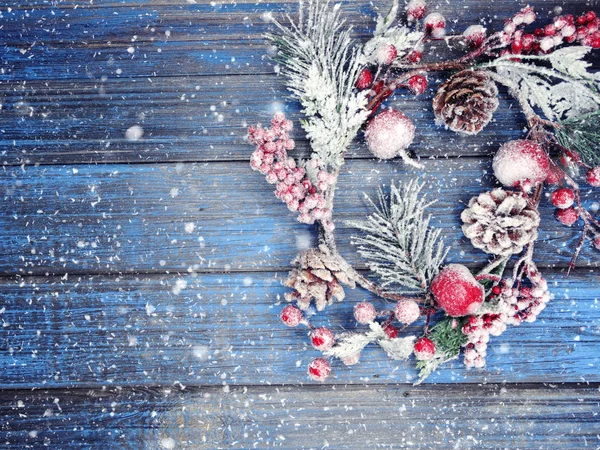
[399,245]
[582,135]
[320,62]
[352,344]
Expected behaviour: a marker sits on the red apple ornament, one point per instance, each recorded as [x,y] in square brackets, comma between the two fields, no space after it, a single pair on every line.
[457,291]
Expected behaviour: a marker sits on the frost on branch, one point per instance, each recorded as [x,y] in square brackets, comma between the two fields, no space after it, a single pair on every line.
[321,64]
[398,243]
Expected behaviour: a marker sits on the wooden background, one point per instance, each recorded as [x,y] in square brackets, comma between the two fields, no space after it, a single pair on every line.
[140,279]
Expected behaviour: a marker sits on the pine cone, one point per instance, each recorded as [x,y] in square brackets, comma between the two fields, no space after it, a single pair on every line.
[466,101]
[500,222]
[318,275]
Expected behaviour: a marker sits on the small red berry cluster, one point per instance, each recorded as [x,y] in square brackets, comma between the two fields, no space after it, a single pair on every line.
[292,183]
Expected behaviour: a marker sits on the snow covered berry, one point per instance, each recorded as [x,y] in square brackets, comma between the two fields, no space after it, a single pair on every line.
[389,133]
[521,163]
[424,349]
[365,79]
[593,176]
[457,291]
[417,84]
[351,360]
[364,312]
[555,175]
[563,198]
[567,216]
[322,338]
[319,369]
[415,10]
[596,242]
[434,24]
[407,311]
[475,35]
[415,56]
[385,54]
[291,316]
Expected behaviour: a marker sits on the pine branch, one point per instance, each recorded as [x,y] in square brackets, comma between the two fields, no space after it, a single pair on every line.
[582,135]
[398,244]
[320,62]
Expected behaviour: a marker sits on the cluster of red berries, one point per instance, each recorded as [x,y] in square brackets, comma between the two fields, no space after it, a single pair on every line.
[523,304]
[292,184]
[564,29]
[478,330]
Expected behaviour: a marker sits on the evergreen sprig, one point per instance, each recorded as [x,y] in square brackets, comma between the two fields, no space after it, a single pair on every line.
[582,135]
[399,245]
[319,59]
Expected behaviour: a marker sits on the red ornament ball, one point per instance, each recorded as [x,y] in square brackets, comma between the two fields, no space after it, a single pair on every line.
[389,133]
[364,313]
[417,84]
[319,369]
[390,331]
[291,316]
[385,54]
[365,79]
[424,349]
[407,311]
[457,291]
[521,163]
[593,176]
[563,198]
[567,216]
[322,338]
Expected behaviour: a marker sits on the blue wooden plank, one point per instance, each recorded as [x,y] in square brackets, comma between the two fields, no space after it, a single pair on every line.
[224,328]
[428,417]
[189,119]
[127,218]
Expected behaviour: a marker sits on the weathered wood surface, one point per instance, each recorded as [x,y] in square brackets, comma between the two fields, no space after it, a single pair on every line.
[344,417]
[203,329]
[150,288]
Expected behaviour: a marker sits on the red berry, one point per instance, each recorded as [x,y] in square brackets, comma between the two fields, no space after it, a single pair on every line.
[516,47]
[496,290]
[595,43]
[596,242]
[550,30]
[415,56]
[407,311]
[521,163]
[563,198]
[475,35]
[570,39]
[365,79]
[415,10]
[322,338]
[424,349]
[593,176]
[567,216]
[291,316]
[539,32]
[319,369]
[390,331]
[581,20]
[457,291]
[365,312]
[385,54]
[569,18]
[555,175]
[590,15]
[417,84]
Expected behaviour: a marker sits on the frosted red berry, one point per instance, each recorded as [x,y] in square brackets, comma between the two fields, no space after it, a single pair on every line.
[415,10]
[407,311]
[496,290]
[434,24]
[563,198]
[424,349]
[365,313]
[596,242]
[385,54]
[415,56]
[474,35]
[322,338]
[319,369]
[521,163]
[291,316]
[567,216]
[390,331]
[457,291]
[593,176]
[417,84]
[365,79]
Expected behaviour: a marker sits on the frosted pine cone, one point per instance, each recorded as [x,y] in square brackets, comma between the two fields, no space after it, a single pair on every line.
[500,222]
[318,275]
[466,101]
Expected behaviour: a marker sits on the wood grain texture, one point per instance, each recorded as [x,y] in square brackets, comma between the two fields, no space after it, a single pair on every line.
[128,218]
[427,417]
[224,328]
